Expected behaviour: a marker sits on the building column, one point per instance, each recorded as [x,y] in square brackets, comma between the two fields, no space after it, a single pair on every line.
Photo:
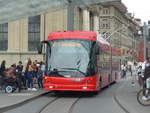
[17,36]
[23,35]
[86,20]
[13,36]
[43,28]
[96,23]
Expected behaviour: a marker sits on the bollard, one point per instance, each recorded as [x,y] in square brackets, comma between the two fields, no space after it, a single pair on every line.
[148,83]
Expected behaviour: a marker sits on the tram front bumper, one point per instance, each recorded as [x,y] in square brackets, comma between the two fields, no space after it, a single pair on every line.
[55,87]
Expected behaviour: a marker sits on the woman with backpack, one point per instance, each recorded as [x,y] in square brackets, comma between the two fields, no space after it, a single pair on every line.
[29,75]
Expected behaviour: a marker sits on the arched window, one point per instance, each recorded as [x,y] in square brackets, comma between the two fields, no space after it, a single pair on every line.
[34,32]
[104,24]
[106,11]
[4,37]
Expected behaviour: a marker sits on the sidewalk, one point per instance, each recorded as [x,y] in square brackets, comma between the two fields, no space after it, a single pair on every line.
[126,96]
[12,100]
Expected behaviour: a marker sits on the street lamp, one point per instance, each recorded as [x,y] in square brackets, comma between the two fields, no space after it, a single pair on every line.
[145,34]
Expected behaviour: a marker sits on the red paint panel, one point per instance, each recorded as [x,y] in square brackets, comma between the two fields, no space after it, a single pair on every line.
[85,35]
[70,84]
[141,52]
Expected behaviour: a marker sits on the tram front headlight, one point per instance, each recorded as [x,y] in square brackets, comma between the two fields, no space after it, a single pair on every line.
[84,87]
[51,87]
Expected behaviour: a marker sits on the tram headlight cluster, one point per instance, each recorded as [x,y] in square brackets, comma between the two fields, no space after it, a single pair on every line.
[51,87]
[84,87]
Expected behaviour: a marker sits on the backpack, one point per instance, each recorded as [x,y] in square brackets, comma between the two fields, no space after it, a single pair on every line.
[147,72]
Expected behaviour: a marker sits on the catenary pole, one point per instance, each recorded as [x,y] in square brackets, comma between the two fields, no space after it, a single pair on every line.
[145,34]
[70,16]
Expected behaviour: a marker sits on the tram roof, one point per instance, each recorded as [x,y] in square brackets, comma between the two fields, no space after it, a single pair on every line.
[85,35]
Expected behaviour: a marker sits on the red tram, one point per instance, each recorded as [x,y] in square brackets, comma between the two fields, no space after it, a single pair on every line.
[79,61]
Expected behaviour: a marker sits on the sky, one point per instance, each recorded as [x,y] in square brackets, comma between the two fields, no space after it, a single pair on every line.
[140,8]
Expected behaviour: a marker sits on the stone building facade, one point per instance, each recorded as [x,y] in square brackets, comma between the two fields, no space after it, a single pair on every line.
[18,39]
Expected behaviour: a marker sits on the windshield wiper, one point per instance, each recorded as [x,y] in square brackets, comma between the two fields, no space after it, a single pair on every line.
[55,72]
[75,69]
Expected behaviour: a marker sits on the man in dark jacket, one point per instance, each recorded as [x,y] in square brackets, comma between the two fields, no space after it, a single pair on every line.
[20,75]
[146,74]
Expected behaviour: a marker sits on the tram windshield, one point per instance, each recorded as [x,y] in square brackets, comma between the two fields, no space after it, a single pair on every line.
[68,58]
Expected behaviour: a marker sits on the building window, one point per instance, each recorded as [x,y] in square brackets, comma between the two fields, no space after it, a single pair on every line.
[4,37]
[104,24]
[105,35]
[105,11]
[33,32]
[80,19]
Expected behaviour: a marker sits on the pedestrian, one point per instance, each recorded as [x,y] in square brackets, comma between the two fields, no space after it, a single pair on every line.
[35,71]
[13,67]
[29,74]
[40,77]
[123,69]
[20,74]
[130,69]
[42,67]
[134,73]
[2,68]
[144,66]
[12,78]
[145,78]
[140,75]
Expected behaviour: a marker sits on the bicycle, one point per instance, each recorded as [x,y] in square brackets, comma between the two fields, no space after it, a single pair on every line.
[143,96]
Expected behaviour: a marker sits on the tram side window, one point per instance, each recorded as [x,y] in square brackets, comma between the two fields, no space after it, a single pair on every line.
[100,64]
[115,62]
[97,54]
[93,61]
[103,61]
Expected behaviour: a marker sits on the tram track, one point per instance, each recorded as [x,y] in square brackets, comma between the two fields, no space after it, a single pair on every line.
[73,105]
[64,102]
[118,101]
[57,101]
[42,109]
[27,103]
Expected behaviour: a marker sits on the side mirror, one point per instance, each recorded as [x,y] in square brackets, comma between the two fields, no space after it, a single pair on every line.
[40,46]
[97,49]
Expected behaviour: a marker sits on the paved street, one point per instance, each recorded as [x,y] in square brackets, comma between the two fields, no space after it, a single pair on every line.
[126,94]
[75,102]
[15,99]
[86,104]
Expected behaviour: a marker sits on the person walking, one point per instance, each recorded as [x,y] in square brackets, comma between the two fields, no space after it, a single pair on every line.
[29,76]
[123,69]
[40,77]
[140,75]
[145,78]
[130,69]
[145,71]
[35,71]
[2,70]
[42,66]
[20,74]
[134,73]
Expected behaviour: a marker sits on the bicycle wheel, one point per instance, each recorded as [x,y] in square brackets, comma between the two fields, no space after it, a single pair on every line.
[143,97]
[8,89]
